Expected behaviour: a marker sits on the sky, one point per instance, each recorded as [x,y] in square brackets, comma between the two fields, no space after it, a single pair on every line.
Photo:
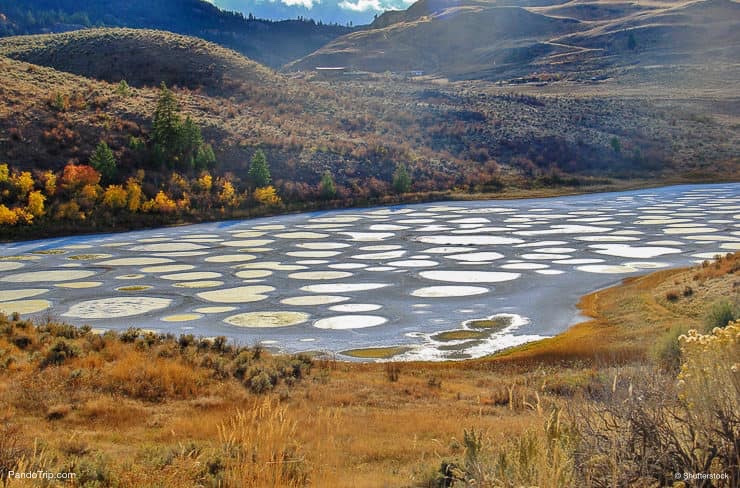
[340,11]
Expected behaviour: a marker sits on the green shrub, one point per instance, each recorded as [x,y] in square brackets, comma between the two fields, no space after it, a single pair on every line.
[59,353]
[721,314]
[667,349]
[260,383]
[130,335]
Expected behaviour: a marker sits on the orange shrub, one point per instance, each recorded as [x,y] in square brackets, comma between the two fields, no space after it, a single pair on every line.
[75,177]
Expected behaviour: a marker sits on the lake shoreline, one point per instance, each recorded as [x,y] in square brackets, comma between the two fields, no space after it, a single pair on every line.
[326,283]
[60,230]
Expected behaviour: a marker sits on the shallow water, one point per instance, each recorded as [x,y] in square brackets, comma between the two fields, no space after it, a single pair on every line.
[340,280]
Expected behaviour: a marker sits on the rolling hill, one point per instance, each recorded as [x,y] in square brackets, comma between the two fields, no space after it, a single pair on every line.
[141,57]
[445,134]
[476,39]
[61,97]
[268,42]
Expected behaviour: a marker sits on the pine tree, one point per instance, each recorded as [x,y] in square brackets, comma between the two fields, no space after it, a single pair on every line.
[204,157]
[327,188]
[189,141]
[178,143]
[166,127]
[401,179]
[259,171]
[103,160]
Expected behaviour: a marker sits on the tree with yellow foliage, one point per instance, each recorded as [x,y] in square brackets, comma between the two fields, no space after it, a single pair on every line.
[23,182]
[4,173]
[115,197]
[36,204]
[7,216]
[227,196]
[133,195]
[88,196]
[50,182]
[24,217]
[205,182]
[69,211]
[161,203]
[267,195]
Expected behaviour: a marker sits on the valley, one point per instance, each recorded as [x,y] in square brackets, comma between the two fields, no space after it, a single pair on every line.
[475,243]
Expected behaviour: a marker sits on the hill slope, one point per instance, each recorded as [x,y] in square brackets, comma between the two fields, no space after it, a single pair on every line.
[271,43]
[467,137]
[476,39]
[141,57]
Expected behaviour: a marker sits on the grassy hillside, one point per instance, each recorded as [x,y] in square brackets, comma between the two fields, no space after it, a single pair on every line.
[270,43]
[62,96]
[476,39]
[137,409]
[141,57]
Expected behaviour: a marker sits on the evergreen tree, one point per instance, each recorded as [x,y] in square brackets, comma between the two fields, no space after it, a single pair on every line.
[327,188]
[631,42]
[401,179]
[166,127]
[177,143]
[259,172]
[204,157]
[103,160]
[189,141]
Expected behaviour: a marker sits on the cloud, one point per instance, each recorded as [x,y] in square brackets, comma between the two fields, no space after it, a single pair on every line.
[299,3]
[361,5]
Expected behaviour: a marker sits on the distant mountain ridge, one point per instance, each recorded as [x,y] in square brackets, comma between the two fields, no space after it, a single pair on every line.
[504,39]
[268,42]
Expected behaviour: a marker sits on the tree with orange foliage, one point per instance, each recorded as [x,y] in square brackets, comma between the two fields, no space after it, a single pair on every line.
[76,177]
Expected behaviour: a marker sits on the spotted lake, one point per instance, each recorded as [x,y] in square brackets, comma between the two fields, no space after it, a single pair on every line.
[446,280]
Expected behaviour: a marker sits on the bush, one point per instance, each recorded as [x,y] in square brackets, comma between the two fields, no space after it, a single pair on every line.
[721,314]
[130,335]
[260,383]
[59,353]
[667,349]
[22,342]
